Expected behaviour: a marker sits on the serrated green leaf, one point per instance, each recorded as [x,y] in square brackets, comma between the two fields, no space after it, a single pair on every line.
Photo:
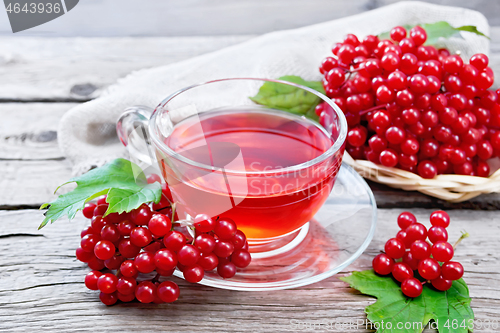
[437,30]
[121,180]
[123,200]
[288,98]
[443,307]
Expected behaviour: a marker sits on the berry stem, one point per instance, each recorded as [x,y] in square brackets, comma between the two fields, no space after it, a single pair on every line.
[346,79]
[194,238]
[353,70]
[163,208]
[378,107]
[173,205]
[464,235]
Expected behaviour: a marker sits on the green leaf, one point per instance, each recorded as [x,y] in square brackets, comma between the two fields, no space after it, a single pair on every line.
[437,30]
[288,98]
[122,181]
[473,29]
[449,309]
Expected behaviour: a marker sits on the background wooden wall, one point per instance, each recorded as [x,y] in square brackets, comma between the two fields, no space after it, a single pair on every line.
[111,18]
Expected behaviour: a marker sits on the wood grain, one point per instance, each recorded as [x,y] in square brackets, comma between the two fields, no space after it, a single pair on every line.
[41,285]
[388,197]
[30,183]
[28,131]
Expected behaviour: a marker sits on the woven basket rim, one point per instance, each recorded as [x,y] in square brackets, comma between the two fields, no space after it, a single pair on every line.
[449,187]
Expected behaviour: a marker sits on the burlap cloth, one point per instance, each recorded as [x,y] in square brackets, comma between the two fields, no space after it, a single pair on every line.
[87,132]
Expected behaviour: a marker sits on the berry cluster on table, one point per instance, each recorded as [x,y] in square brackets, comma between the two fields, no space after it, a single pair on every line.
[132,254]
[412,106]
[420,250]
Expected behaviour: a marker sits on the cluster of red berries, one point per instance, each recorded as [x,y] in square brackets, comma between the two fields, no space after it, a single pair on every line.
[149,239]
[412,106]
[417,254]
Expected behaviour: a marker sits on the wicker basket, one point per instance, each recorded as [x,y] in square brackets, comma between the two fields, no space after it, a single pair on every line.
[453,188]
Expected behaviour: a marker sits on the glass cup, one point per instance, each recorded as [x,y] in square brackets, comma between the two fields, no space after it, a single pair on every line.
[225,156]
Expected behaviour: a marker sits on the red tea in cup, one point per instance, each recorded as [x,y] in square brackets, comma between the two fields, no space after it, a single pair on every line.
[225,155]
[263,168]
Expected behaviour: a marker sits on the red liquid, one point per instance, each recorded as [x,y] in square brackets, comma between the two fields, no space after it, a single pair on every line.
[242,146]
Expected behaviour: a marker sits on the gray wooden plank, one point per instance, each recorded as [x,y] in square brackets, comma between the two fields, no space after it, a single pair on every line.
[42,285]
[28,131]
[188,18]
[78,69]
[488,8]
[31,183]
[388,197]
[209,17]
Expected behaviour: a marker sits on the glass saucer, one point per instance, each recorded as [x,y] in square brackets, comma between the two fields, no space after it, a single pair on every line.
[338,235]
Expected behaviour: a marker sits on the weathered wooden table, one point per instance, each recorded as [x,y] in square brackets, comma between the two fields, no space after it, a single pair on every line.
[41,282]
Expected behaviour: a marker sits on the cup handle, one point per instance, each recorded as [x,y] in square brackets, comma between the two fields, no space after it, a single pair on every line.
[132,130]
